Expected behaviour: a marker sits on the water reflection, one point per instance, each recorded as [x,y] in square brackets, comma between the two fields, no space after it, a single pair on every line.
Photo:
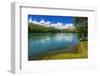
[44,42]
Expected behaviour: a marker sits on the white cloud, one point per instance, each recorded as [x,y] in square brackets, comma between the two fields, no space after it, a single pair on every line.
[48,23]
[42,21]
[45,22]
[59,24]
[30,20]
[69,24]
[35,22]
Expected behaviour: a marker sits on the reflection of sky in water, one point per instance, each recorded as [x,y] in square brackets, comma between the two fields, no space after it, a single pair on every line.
[49,42]
[60,37]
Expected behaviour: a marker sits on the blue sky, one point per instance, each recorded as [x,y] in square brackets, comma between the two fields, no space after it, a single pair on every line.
[52,19]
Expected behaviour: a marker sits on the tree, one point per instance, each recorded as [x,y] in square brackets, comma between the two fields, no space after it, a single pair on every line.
[81,24]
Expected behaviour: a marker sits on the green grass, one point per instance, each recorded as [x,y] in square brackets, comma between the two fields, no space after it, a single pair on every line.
[80,51]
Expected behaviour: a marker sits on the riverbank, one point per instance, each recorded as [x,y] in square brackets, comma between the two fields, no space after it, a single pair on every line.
[80,51]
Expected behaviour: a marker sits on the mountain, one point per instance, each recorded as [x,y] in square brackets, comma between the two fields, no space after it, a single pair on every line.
[42,28]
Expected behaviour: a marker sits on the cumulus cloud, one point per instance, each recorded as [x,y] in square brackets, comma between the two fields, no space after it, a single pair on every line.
[69,24]
[59,24]
[42,21]
[45,22]
[30,20]
[48,24]
[34,21]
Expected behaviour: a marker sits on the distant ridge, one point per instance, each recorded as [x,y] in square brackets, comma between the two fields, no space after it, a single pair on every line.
[32,27]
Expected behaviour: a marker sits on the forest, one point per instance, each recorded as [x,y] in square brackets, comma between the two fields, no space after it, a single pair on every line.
[34,28]
[80,23]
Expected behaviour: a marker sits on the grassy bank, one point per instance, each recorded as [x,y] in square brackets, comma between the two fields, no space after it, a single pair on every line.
[80,51]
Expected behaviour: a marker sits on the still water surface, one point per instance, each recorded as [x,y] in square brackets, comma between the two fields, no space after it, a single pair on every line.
[45,42]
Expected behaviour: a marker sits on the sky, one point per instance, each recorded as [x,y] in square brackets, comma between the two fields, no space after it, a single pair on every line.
[52,19]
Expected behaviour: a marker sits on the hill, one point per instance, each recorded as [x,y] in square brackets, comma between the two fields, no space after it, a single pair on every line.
[35,28]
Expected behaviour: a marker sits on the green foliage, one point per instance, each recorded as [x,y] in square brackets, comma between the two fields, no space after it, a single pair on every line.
[34,28]
[81,24]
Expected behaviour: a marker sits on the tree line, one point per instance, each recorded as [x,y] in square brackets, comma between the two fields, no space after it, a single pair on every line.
[81,24]
[35,28]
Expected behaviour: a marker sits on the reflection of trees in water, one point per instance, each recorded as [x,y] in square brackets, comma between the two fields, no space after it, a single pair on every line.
[47,37]
[47,42]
